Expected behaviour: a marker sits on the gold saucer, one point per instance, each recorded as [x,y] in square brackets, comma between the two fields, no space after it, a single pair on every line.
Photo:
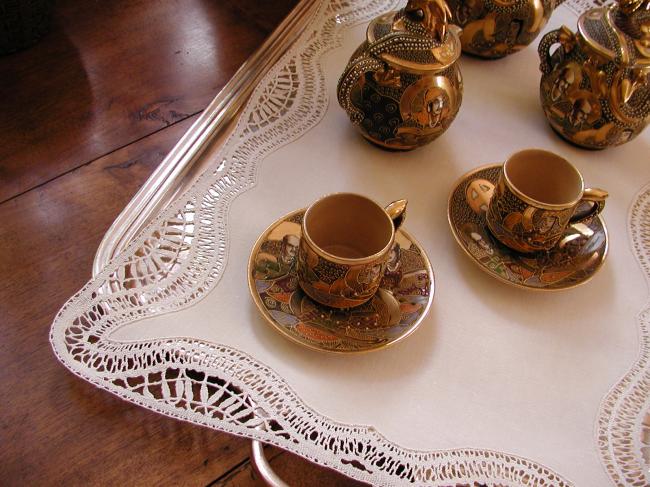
[573,261]
[398,308]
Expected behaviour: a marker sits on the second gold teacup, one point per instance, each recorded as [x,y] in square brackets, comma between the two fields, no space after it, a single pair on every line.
[345,245]
[538,195]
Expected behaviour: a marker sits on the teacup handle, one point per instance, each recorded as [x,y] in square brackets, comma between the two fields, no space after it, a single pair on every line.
[595,195]
[397,212]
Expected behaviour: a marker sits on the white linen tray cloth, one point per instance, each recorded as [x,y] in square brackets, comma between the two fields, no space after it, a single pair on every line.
[492,368]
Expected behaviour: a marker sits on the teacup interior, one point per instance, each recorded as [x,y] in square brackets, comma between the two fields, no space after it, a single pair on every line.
[348,226]
[544,177]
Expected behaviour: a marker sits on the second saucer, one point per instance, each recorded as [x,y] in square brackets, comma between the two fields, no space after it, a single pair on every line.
[577,257]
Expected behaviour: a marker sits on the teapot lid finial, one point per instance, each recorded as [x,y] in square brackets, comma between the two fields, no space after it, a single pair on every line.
[619,32]
[417,38]
[634,19]
[428,17]
[628,7]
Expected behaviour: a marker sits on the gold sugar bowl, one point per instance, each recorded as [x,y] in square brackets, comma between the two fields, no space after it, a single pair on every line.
[402,87]
[495,28]
[595,87]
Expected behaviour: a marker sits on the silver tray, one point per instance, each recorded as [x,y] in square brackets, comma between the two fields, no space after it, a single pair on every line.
[183,164]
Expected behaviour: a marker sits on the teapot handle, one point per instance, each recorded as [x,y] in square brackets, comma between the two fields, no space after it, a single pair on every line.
[562,36]
[356,69]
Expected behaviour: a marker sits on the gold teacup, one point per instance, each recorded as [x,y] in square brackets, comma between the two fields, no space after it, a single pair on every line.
[539,194]
[345,245]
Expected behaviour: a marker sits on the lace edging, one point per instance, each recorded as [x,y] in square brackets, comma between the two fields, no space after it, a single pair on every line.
[181,255]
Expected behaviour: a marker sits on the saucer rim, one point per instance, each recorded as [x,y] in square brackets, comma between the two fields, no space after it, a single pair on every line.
[273,324]
[454,232]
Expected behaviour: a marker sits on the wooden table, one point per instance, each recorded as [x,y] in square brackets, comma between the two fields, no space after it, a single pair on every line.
[86,115]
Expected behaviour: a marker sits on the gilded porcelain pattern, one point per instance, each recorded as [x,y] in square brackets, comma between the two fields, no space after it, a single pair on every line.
[402,87]
[496,28]
[394,312]
[334,284]
[595,87]
[574,260]
[523,227]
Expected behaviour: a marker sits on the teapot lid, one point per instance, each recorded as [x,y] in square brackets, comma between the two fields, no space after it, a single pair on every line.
[417,38]
[619,32]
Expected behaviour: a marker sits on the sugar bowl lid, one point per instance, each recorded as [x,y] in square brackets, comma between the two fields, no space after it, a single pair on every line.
[417,38]
[618,32]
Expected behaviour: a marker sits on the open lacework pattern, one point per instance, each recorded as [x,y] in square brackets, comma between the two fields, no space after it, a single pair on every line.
[580,6]
[624,421]
[181,255]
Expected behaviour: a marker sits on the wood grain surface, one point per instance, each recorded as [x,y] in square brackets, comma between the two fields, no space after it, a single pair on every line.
[113,72]
[87,114]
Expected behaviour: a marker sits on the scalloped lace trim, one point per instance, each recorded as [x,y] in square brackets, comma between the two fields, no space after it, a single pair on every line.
[623,429]
[181,255]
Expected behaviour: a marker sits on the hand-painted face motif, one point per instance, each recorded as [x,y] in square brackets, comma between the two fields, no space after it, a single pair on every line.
[435,106]
[289,248]
[581,111]
[562,83]
[478,195]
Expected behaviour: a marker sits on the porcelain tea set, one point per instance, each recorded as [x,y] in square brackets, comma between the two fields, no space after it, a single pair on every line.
[344,276]
[402,87]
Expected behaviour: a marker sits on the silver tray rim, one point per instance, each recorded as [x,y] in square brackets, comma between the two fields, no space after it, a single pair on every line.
[176,171]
